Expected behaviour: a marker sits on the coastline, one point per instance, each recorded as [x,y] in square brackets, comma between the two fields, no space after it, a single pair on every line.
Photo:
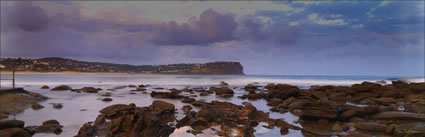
[65,72]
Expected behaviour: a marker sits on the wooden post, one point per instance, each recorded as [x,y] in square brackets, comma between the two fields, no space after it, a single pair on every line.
[13,78]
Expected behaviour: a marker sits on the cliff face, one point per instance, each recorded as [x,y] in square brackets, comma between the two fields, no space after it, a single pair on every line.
[229,68]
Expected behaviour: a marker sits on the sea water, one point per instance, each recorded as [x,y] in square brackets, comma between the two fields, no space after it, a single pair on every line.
[72,117]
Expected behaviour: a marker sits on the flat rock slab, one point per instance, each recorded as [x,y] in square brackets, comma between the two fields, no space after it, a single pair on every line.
[411,129]
[400,115]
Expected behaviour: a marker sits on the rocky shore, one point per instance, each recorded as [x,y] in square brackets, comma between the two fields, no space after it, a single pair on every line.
[360,110]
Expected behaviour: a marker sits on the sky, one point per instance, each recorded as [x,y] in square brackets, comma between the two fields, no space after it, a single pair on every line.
[375,38]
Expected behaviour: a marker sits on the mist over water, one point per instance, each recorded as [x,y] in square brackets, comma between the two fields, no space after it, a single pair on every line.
[191,80]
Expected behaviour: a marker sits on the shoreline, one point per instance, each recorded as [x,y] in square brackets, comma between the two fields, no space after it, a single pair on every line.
[77,72]
[65,72]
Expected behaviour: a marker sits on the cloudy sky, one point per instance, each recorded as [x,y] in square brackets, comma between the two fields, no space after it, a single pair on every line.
[267,37]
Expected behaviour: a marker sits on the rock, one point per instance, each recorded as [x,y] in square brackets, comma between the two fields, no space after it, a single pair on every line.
[199,125]
[358,97]
[170,95]
[371,126]
[274,102]
[198,103]
[226,95]
[390,128]
[254,96]
[400,115]
[159,106]
[222,83]
[186,108]
[45,87]
[14,132]
[88,89]
[132,86]
[250,87]
[400,84]
[222,90]
[36,95]
[11,124]
[319,110]
[49,122]
[188,100]
[411,129]
[107,99]
[206,115]
[131,121]
[382,82]
[417,87]
[61,88]
[282,91]
[337,127]
[230,118]
[139,89]
[57,105]
[51,126]
[320,95]
[36,106]
[204,93]
[107,94]
[338,97]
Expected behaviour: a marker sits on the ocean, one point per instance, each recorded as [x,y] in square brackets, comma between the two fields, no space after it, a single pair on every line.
[72,118]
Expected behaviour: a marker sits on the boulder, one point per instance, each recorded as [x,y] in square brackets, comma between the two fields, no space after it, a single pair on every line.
[199,125]
[61,88]
[282,91]
[131,121]
[250,87]
[107,99]
[54,122]
[57,105]
[14,132]
[170,95]
[45,87]
[36,106]
[88,89]
[400,84]
[319,110]
[222,90]
[160,106]
[11,124]
[188,100]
